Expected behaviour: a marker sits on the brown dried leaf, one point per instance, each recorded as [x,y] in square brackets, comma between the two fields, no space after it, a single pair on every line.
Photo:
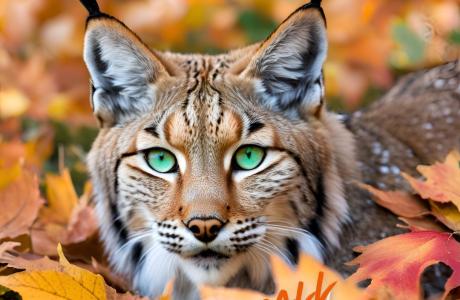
[20,202]
[80,226]
[400,203]
[421,224]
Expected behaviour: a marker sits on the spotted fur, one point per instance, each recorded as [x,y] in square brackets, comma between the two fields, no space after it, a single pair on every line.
[203,108]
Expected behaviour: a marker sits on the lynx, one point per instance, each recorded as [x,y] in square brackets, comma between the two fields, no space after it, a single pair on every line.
[205,165]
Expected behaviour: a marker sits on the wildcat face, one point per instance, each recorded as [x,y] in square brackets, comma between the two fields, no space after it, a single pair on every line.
[206,165]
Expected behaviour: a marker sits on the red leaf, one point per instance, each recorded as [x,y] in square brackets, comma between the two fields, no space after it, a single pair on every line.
[400,269]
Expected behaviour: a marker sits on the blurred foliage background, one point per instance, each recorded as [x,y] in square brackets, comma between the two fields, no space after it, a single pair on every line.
[44,105]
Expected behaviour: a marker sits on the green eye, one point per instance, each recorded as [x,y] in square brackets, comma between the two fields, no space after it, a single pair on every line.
[249,157]
[161,160]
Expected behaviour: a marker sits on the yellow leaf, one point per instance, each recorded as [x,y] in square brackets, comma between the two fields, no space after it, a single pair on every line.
[59,107]
[13,103]
[61,197]
[67,282]
[85,278]
[447,213]
[49,285]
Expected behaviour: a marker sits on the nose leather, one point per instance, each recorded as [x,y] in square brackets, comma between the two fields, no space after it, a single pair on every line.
[205,229]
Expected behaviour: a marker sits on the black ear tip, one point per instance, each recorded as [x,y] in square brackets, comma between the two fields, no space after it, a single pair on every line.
[316,3]
[92,7]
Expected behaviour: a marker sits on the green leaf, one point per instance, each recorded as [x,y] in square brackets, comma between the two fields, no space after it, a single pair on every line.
[454,37]
[256,26]
[412,45]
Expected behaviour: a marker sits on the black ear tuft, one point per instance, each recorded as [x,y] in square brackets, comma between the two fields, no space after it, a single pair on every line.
[316,3]
[92,7]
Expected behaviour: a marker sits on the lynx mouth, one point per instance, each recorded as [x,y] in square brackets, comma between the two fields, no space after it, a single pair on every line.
[208,259]
[210,254]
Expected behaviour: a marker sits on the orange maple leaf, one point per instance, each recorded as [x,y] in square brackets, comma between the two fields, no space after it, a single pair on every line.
[310,280]
[399,269]
[442,180]
[400,203]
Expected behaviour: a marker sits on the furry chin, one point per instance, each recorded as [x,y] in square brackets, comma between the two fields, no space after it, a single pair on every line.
[211,270]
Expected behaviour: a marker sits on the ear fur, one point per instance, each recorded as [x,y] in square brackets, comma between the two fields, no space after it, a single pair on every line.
[123,70]
[287,67]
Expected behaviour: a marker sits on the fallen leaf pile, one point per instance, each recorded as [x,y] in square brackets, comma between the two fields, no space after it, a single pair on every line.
[433,217]
[47,127]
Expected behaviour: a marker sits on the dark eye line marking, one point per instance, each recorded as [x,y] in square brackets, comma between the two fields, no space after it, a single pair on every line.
[152,129]
[255,126]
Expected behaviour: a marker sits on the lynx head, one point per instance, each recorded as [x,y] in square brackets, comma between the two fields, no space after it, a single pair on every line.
[205,165]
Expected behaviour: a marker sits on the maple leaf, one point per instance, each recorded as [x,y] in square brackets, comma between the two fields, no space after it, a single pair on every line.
[414,212]
[291,283]
[400,268]
[20,202]
[442,180]
[400,203]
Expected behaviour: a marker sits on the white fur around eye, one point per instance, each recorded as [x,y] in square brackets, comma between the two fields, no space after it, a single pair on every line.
[141,163]
[271,157]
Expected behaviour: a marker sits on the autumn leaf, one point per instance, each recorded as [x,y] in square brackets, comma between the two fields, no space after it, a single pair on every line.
[61,197]
[447,213]
[400,203]
[20,202]
[69,282]
[13,103]
[7,246]
[415,213]
[307,273]
[76,224]
[15,260]
[397,262]
[442,180]
[47,279]
[421,224]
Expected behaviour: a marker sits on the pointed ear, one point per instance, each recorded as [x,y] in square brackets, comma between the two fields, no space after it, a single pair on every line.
[287,67]
[123,71]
